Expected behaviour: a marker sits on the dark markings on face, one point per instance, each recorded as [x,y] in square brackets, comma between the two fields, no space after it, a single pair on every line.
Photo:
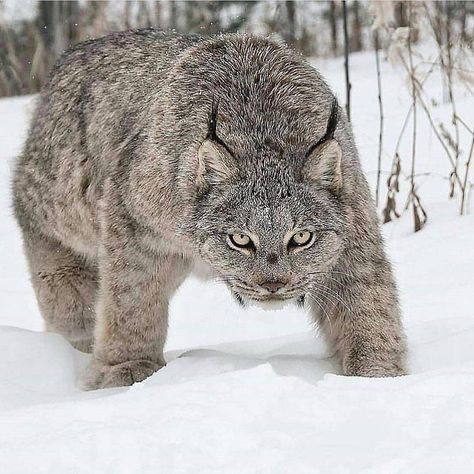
[272,258]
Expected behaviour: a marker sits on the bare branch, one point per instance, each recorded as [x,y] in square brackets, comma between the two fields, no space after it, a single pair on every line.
[379,88]
[346,60]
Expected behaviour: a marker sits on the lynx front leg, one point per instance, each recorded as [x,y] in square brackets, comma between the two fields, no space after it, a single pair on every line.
[362,321]
[132,315]
[66,288]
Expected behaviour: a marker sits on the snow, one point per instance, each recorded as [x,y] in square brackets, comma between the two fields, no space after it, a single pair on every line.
[254,391]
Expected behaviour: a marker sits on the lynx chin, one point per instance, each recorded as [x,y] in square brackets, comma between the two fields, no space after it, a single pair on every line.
[151,154]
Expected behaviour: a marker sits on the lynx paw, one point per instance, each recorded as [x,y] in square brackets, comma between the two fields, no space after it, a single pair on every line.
[373,367]
[120,375]
[374,371]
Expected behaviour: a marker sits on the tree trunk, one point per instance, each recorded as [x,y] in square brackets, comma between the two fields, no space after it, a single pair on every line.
[346,60]
[333,25]
[143,15]
[173,21]
[127,15]
[290,14]
[462,20]
[46,22]
[400,10]
[71,14]
[214,9]
[356,33]
[157,8]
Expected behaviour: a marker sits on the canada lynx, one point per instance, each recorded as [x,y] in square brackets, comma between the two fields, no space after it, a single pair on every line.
[150,153]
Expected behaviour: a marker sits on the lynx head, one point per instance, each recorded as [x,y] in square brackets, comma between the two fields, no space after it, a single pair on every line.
[270,227]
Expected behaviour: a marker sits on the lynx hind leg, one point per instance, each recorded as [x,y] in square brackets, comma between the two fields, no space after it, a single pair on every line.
[66,289]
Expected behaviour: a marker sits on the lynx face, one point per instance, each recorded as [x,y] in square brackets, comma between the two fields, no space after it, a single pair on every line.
[271,226]
[271,245]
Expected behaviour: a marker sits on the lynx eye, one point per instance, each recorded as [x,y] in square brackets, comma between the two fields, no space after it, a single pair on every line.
[300,239]
[241,241]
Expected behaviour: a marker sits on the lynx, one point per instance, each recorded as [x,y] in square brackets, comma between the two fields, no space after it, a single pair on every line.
[150,154]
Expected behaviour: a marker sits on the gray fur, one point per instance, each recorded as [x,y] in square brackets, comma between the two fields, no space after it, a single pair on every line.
[120,191]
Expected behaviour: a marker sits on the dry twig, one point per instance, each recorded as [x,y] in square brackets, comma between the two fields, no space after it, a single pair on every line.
[379,87]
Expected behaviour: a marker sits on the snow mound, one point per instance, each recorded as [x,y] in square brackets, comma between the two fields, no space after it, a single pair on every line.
[270,406]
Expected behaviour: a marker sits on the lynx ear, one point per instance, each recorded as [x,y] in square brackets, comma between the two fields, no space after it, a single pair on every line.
[323,166]
[215,165]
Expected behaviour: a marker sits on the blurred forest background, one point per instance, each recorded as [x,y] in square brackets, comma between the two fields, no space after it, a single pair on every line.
[34,33]
[425,39]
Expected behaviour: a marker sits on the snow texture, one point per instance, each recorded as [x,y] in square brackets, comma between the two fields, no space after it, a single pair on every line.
[253,391]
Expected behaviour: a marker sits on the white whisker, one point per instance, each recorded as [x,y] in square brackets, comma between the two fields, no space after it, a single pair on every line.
[332,294]
[321,305]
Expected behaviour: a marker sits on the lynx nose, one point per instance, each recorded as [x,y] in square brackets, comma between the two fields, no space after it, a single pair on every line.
[272,286]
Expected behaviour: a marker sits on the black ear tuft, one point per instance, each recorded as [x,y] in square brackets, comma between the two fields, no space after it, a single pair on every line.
[212,127]
[333,120]
[323,160]
[330,127]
